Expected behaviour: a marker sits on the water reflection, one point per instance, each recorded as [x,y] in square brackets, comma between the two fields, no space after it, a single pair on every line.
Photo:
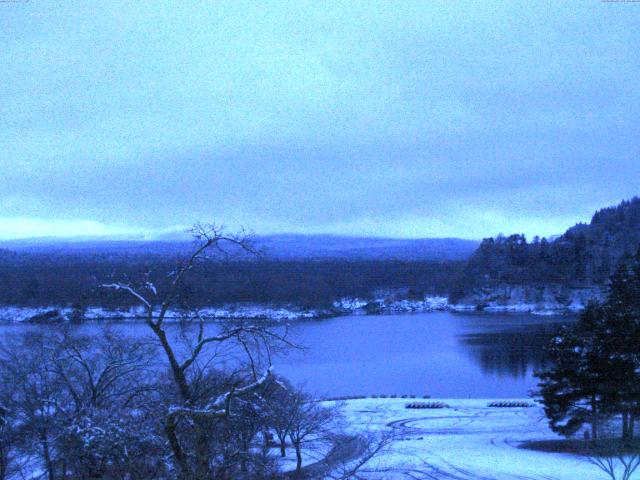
[442,354]
[517,351]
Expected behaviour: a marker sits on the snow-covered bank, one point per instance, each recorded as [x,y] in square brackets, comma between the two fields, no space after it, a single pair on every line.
[53,314]
[61,314]
[390,304]
[467,440]
[511,300]
[542,300]
[549,299]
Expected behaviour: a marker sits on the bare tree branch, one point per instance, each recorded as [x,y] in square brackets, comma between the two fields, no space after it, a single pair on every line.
[130,290]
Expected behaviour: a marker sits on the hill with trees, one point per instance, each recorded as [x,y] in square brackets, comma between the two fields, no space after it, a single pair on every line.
[40,280]
[583,257]
[307,271]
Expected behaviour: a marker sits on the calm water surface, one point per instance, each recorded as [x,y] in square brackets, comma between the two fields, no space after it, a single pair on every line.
[442,354]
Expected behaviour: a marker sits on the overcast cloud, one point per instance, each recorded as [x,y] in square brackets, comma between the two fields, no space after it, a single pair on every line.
[416,119]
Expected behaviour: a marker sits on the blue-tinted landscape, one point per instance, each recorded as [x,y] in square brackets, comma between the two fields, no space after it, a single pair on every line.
[337,240]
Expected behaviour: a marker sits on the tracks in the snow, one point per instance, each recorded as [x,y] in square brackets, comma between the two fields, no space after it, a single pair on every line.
[467,422]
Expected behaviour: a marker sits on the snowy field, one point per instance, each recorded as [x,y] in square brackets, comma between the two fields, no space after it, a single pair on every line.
[468,440]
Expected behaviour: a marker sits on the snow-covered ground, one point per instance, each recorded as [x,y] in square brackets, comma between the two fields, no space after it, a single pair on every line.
[468,440]
[310,454]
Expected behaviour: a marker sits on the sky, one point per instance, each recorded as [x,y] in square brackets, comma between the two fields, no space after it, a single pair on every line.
[400,119]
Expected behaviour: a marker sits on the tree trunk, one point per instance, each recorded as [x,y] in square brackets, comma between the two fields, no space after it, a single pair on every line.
[632,424]
[594,420]
[178,453]
[625,426]
[298,457]
[185,393]
[178,375]
[47,456]
[282,440]
[3,463]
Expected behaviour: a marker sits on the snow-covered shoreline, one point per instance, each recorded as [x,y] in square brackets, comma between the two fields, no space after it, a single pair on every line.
[544,299]
[283,313]
[530,308]
[237,312]
[274,313]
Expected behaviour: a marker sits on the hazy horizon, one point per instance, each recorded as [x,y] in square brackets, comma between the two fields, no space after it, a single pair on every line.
[179,233]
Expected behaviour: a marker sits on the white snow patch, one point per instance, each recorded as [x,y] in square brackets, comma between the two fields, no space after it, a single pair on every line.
[466,440]
[242,311]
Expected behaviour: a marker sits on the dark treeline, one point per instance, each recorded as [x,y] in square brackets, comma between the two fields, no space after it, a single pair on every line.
[56,279]
[586,254]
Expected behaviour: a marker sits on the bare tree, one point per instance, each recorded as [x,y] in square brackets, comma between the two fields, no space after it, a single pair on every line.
[194,410]
[36,399]
[310,422]
[615,457]
[354,461]
[278,411]
[617,465]
[104,370]
[7,442]
[75,405]
[108,379]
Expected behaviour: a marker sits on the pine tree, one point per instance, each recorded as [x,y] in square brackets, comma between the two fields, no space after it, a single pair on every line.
[622,341]
[573,391]
[596,362]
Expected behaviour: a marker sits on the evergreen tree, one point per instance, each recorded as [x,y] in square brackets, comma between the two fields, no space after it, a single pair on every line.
[596,362]
[622,340]
[573,391]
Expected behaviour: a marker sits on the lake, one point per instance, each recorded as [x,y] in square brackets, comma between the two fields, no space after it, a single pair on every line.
[442,354]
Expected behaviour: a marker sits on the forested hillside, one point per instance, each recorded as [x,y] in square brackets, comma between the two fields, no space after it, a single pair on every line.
[29,279]
[585,255]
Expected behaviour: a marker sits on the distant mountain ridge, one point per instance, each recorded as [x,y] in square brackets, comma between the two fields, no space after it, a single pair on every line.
[280,246]
[366,248]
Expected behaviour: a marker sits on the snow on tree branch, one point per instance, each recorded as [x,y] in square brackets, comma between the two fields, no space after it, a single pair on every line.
[129,289]
[220,406]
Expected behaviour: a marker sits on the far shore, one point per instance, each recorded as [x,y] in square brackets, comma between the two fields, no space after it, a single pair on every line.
[281,313]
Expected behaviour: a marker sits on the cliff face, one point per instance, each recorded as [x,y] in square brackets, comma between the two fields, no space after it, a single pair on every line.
[540,299]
